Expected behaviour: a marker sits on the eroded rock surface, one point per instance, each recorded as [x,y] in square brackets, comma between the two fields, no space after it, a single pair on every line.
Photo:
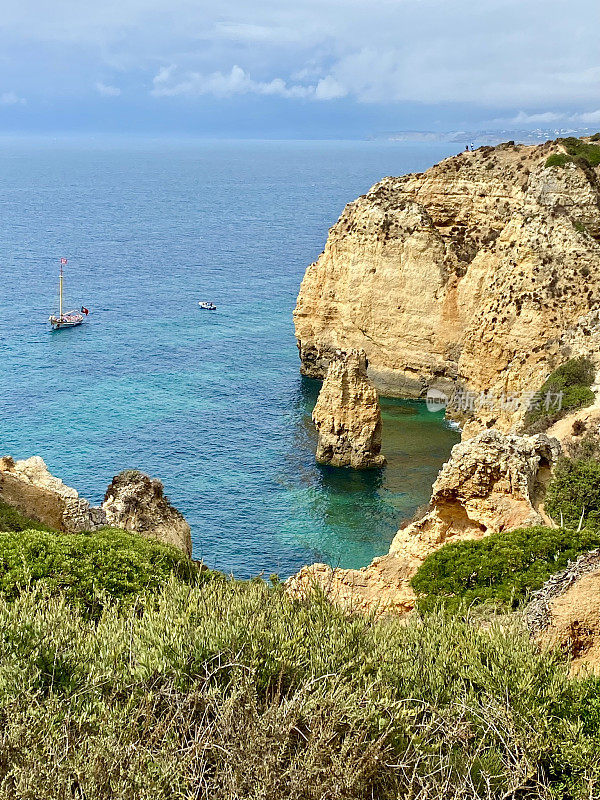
[483,270]
[347,415]
[492,482]
[133,502]
[566,612]
[29,487]
[136,502]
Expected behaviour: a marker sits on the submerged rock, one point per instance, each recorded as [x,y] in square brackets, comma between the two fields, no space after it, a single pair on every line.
[136,502]
[347,415]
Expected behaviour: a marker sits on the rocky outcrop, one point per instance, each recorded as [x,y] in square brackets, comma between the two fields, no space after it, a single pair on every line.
[135,502]
[347,415]
[29,487]
[566,612]
[492,482]
[484,270]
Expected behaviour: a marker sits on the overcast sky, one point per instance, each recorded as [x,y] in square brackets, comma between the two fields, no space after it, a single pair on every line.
[308,68]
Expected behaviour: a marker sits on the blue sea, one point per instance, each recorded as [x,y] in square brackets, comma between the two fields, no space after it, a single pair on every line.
[210,402]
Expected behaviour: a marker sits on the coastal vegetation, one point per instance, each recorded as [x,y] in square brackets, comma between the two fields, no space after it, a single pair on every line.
[124,675]
[233,689]
[565,390]
[12,520]
[578,151]
[573,496]
[90,569]
[503,568]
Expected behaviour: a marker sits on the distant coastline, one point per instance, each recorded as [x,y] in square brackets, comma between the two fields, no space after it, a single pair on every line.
[480,137]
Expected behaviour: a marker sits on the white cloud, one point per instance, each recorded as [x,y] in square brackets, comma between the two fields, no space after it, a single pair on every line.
[590,117]
[549,117]
[106,90]
[11,99]
[497,54]
[329,89]
[172,82]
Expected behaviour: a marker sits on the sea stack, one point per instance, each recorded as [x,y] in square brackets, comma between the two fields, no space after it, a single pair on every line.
[347,415]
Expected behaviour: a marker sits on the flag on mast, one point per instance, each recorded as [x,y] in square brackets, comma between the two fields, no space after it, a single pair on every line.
[63,261]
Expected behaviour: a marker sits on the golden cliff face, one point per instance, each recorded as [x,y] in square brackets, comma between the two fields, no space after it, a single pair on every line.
[482,271]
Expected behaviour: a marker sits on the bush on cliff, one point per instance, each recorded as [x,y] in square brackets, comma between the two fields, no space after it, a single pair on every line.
[88,567]
[559,160]
[589,153]
[565,390]
[575,491]
[232,690]
[503,568]
[578,152]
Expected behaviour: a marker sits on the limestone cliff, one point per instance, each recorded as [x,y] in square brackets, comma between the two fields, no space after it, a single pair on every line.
[133,502]
[347,415]
[484,270]
[566,612]
[29,487]
[492,482]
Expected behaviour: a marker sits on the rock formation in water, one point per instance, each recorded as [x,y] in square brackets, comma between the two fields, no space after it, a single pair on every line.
[347,415]
[566,612]
[492,482]
[135,502]
[484,270]
[29,487]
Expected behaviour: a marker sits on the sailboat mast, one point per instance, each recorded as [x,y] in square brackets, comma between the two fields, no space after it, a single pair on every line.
[60,292]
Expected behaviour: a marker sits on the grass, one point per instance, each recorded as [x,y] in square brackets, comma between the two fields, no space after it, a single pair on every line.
[126,675]
[503,568]
[567,387]
[231,690]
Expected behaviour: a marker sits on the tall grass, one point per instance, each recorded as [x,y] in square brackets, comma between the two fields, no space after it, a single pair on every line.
[230,690]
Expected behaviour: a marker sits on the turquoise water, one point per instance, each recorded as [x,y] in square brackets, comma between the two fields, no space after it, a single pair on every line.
[212,403]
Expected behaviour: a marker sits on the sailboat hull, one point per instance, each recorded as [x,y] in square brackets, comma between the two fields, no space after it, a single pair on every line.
[65,322]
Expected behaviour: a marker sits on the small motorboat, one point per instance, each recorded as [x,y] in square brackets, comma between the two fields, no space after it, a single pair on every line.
[68,319]
[207,306]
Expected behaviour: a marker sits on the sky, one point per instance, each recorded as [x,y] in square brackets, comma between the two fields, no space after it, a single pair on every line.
[302,69]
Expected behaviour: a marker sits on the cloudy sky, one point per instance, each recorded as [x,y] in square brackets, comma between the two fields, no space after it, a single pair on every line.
[307,68]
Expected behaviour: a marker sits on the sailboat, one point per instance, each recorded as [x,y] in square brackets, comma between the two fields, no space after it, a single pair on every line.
[65,319]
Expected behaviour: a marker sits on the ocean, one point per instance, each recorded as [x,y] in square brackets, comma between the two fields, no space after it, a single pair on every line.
[212,403]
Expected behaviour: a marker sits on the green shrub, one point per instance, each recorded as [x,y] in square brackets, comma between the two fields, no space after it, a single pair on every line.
[558,160]
[503,568]
[12,520]
[589,153]
[577,152]
[571,383]
[87,567]
[595,137]
[575,488]
[232,690]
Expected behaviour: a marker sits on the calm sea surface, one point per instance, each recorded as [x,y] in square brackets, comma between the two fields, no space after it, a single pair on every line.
[212,403]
